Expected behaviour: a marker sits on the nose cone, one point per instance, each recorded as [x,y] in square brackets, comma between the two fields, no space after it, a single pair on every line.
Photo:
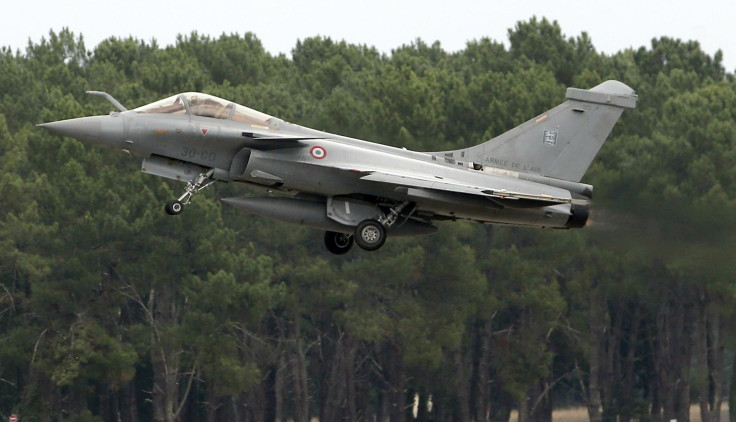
[87,129]
[101,130]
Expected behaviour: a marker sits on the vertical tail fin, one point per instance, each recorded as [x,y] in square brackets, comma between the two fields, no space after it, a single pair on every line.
[560,143]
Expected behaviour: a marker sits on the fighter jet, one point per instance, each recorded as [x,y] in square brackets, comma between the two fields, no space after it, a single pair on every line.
[358,191]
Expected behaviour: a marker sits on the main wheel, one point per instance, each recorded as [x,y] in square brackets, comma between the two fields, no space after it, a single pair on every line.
[370,235]
[338,243]
[174,208]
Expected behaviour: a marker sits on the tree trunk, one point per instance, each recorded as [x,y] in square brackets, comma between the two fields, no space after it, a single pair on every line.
[278,386]
[596,331]
[299,375]
[253,406]
[332,381]
[610,362]
[212,401]
[682,362]
[129,405]
[701,360]
[422,407]
[716,364]
[673,353]
[500,401]
[439,408]
[351,349]
[384,403]
[462,385]
[655,383]
[540,402]
[481,391]
[709,358]
[164,357]
[627,386]
[732,395]
[524,406]
[396,379]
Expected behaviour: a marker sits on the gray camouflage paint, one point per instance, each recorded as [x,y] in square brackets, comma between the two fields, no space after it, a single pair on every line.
[528,176]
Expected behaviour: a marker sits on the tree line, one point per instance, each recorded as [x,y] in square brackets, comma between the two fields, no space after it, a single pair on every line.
[110,310]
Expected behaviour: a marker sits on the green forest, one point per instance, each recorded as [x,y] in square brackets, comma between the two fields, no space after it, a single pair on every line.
[111,310]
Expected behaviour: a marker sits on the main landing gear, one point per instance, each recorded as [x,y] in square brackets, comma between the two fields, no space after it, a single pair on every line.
[338,243]
[193,186]
[370,234]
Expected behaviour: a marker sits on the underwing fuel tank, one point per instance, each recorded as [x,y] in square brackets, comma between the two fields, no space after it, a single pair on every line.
[313,214]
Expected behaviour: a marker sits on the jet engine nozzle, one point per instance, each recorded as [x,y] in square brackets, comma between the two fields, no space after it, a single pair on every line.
[578,216]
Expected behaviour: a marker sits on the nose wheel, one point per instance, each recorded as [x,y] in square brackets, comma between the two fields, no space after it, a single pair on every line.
[193,187]
[174,207]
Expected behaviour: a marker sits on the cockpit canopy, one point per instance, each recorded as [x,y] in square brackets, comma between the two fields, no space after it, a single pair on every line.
[205,105]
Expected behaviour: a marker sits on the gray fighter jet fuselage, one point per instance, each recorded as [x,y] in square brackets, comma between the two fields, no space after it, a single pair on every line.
[359,191]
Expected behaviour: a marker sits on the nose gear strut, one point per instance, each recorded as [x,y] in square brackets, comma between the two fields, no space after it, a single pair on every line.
[193,186]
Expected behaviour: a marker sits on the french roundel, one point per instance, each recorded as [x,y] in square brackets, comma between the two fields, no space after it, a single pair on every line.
[318,152]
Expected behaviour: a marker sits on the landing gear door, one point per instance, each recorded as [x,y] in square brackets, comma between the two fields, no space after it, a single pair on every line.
[350,212]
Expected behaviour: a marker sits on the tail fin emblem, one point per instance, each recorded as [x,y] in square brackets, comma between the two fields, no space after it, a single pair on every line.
[550,138]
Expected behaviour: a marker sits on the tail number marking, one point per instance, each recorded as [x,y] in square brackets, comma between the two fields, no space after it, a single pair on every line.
[203,155]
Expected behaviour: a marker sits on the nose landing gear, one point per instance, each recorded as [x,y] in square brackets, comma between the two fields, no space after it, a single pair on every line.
[193,187]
